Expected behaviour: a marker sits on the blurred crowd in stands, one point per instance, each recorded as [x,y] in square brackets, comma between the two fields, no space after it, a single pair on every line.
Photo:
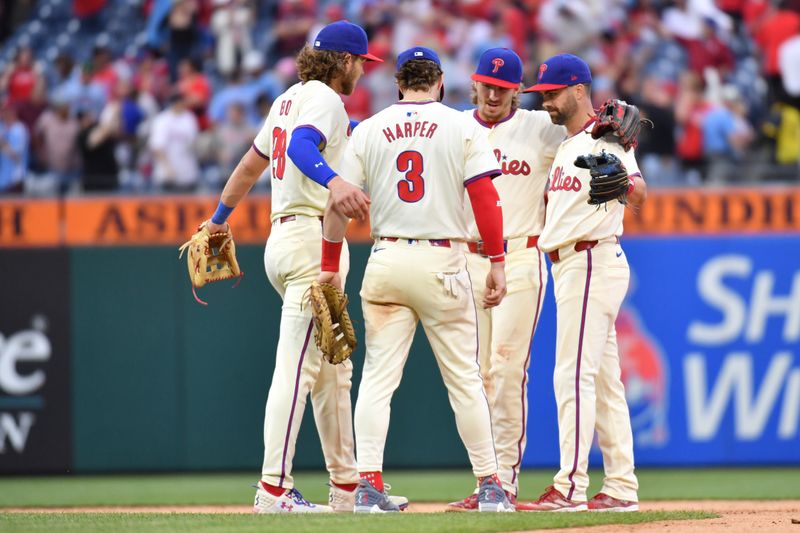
[166,95]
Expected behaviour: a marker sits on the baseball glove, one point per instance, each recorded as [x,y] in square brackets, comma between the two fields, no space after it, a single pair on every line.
[211,257]
[619,121]
[609,178]
[333,330]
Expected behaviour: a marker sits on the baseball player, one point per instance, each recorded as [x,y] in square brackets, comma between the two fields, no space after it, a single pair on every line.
[416,158]
[303,138]
[591,275]
[524,143]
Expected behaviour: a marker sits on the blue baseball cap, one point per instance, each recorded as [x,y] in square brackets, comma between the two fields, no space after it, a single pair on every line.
[561,71]
[499,66]
[418,52]
[344,36]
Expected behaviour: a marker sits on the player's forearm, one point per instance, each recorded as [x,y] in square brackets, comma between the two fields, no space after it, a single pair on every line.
[334,223]
[638,194]
[333,229]
[246,173]
[488,217]
[243,177]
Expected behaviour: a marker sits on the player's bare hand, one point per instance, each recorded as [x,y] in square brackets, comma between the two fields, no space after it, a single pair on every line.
[349,199]
[495,285]
[331,277]
[214,228]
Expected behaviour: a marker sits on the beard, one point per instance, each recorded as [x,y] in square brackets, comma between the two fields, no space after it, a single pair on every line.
[349,81]
[561,115]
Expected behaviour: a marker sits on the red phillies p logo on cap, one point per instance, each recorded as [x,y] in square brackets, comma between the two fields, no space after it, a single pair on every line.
[500,67]
[497,62]
[563,70]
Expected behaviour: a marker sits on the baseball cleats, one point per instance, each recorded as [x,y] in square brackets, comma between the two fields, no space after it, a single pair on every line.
[344,501]
[291,501]
[603,503]
[554,501]
[371,500]
[470,503]
[492,498]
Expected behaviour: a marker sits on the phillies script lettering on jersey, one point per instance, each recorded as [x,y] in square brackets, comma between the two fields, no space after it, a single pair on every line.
[410,129]
[564,183]
[514,167]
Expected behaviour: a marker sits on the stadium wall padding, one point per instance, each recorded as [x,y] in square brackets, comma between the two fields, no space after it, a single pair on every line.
[121,370]
[161,382]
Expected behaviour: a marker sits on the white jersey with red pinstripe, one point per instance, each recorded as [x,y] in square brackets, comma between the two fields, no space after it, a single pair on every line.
[590,276]
[312,105]
[524,143]
[415,158]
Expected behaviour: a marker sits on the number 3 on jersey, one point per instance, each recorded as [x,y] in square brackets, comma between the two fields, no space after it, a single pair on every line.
[278,152]
[412,187]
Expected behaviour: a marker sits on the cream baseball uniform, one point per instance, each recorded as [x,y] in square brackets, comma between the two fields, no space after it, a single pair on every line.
[415,159]
[591,279]
[524,144]
[292,261]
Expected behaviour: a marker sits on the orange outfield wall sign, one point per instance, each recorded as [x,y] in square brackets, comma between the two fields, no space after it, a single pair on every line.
[121,220]
[170,220]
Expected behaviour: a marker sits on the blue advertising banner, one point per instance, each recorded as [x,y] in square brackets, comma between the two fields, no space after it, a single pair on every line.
[709,340]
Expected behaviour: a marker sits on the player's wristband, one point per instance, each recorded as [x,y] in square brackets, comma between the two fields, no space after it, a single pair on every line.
[330,255]
[631,186]
[221,214]
[499,258]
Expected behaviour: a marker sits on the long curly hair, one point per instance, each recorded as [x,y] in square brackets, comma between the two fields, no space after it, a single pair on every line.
[320,65]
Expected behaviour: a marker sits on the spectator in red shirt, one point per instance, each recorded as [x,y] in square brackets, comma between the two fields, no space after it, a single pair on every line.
[104,72]
[195,88]
[708,51]
[775,26]
[21,78]
[292,24]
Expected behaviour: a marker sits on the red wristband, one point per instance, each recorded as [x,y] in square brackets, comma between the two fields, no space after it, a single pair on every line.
[330,255]
[631,187]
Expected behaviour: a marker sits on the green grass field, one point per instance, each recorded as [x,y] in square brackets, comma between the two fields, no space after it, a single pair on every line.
[422,486]
[434,522]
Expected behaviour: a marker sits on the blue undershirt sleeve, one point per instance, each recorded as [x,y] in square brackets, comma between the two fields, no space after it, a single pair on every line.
[304,152]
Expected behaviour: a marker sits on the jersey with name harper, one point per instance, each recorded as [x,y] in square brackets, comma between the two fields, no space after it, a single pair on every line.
[415,158]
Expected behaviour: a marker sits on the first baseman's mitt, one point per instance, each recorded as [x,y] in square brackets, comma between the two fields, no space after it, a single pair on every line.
[211,257]
[619,121]
[334,333]
[609,178]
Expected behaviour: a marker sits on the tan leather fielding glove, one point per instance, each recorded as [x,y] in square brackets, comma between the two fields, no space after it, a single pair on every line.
[210,257]
[334,333]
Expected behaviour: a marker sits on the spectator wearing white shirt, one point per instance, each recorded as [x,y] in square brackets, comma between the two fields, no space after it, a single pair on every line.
[231,24]
[172,138]
[789,64]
